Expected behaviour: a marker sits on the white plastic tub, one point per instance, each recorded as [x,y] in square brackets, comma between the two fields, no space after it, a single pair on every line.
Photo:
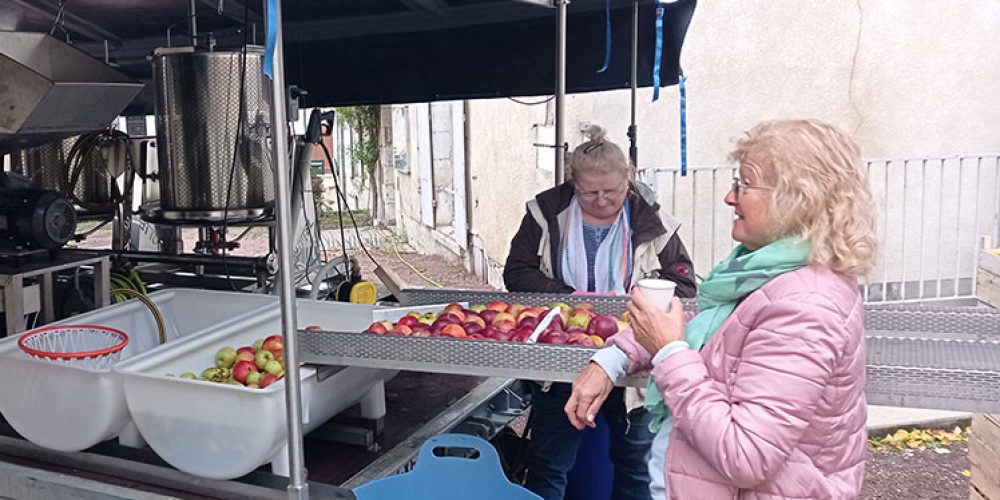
[71,408]
[225,431]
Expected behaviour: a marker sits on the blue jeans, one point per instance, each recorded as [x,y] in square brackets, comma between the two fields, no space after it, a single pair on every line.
[554,443]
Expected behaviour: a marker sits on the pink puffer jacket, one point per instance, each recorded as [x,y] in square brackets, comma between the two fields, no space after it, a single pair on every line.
[774,404]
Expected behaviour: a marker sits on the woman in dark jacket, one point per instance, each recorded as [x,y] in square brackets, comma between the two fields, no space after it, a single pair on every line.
[593,233]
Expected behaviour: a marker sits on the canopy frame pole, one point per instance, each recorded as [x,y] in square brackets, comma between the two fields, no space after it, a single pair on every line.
[298,488]
[633,129]
[560,96]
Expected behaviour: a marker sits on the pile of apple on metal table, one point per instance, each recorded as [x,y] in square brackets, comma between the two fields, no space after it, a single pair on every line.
[573,325]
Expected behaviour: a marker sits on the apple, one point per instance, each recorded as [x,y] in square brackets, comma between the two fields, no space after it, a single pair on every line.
[497,306]
[453,330]
[253,378]
[453,305]
[423,332]
[488,316]
[516,309]
[408,321]
[257,344]
[473,328]
[475,320]
[490,332]
[275,367]
[553,337]
[376,327]
[477,336]
[520,336]
[469,312]
[268,379]
[586,312]
[415,314]
[559,321]
[262,357]
[562,305]
[527,313]
[602,326]
[210,373]
[575,330]
[504,321]
[395,331]
[242,369]
[579,320]
[580,339]
[189,376]
[405,330]
[225,357]
[247,348]
[275,344]
[478,307]
[529,321]
[244,356]
[622,325]
[598,341]
[584,305]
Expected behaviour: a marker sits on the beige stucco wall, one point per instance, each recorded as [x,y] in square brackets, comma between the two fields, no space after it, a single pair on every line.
[907,79]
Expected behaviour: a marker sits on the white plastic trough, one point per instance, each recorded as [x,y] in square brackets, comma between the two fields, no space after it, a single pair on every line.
[71,408]
[225,431]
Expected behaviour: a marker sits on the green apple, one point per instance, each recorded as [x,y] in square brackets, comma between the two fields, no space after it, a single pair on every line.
[578,320]
[254,378]
[257,344]
[189,375]
[211,373]
[478,307]
[225,357]
[262,357]
[274,367]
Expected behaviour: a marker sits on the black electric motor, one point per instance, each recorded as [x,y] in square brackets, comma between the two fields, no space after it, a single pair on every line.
[35,219]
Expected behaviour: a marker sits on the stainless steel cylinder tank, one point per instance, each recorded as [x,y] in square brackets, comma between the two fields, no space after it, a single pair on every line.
[47,167]
[197,112]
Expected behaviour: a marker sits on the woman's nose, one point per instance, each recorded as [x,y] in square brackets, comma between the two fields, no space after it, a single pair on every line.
[731,198]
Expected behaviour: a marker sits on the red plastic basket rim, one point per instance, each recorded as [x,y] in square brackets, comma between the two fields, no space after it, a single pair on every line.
[73,355]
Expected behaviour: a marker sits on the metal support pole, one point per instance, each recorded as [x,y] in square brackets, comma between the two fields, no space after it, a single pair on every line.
[193,22]
[633,130]
[297,485]
[560,98]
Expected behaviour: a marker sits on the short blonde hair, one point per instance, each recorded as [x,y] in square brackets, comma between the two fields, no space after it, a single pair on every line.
[820,191]
[598,154]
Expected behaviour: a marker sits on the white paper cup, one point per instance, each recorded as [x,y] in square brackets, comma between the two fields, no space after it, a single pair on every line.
[658,291]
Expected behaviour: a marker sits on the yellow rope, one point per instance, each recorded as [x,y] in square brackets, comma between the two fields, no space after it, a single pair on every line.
[412,267]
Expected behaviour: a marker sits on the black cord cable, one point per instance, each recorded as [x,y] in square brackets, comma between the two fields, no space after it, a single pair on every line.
[536,103]
[241,105]
[340,195]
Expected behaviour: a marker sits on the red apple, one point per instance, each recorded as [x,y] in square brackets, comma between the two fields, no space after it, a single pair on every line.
[475,320]
[504,321]
[580,339]
[575,330]
[268,379]
[488,316]
[472,327]
[497,306]
[242,369]
[407,321]
[520,336]
[490,332]
[404,329]
[528,321]
[602,326]
[275,344]
[245,356]
[516,309]
[376,327]
[423,332]
[454,330]
[247,348]
[553,337]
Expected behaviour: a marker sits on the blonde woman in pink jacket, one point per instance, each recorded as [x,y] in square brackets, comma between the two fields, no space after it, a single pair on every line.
[761,395]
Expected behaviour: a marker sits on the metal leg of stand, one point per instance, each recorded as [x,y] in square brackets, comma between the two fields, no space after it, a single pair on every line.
[13,304]
[47,292]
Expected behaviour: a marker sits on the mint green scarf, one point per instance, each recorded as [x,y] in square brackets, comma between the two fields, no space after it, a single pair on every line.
[740,274]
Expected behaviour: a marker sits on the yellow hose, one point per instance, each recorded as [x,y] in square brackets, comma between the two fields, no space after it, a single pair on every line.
[412,267]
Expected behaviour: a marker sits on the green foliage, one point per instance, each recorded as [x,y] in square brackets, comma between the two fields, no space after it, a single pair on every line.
[364,120]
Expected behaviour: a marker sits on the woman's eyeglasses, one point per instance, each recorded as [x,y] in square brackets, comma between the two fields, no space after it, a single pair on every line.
[739,185]
[610,194]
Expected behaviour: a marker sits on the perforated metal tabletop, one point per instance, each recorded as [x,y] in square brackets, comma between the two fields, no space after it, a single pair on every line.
[921,357]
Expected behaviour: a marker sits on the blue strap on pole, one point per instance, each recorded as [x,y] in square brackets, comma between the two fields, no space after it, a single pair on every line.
[684,136]
[658,55]
[607,47]
[272,37]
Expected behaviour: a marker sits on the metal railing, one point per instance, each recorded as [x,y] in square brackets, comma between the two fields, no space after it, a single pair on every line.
[932,214]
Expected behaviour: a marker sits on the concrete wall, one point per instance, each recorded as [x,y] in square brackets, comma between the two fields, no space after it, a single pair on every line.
[907,79]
